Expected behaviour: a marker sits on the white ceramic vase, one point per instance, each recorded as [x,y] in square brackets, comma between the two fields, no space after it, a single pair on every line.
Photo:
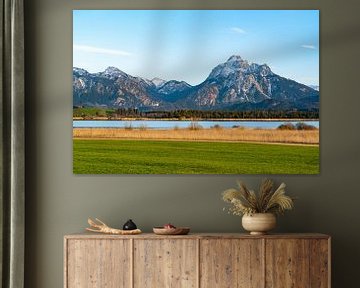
[259,223]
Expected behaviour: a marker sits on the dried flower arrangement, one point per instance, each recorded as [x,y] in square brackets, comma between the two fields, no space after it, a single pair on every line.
[246,202]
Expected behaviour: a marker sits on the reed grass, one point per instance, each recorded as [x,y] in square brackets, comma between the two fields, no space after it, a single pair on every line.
[183,134]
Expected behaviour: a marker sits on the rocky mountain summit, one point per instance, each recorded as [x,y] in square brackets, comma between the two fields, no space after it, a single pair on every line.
[233,85]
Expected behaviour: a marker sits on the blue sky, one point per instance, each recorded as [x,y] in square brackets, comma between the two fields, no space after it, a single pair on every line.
[188,44]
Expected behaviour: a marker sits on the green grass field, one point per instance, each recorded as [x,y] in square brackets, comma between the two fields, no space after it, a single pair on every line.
[173,157]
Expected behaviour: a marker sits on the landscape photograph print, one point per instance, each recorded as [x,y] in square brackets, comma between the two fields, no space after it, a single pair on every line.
[196,92]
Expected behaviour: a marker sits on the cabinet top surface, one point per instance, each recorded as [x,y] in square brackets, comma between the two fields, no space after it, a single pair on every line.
[87,235]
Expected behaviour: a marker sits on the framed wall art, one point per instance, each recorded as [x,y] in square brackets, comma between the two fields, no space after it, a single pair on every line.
[196,92]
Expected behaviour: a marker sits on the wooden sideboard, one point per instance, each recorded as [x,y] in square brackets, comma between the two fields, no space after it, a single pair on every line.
[197,260]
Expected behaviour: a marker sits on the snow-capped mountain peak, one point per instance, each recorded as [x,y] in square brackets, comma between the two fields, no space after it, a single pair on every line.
[234,84]
[80,71]
[114,72]
[158,81]
[234,58]
[233,65]
[173,86]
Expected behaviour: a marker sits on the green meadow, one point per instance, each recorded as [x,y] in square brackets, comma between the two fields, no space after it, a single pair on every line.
[186,157]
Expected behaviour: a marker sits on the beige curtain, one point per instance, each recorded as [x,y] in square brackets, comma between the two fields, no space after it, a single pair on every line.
[12,190]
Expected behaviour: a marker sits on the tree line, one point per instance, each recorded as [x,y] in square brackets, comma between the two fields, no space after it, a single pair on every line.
[182,114]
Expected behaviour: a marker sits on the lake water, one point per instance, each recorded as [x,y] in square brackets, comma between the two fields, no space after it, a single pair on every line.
[168,124]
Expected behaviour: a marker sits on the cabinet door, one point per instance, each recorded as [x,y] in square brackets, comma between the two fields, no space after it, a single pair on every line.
[287,263]
[98,263]
[231,263]
[165,263]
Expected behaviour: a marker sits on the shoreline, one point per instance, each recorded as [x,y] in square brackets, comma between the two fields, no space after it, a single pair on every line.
[199,120]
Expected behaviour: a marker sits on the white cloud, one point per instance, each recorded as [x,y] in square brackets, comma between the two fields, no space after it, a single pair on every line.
[98,50]
[307,46]
[237,30]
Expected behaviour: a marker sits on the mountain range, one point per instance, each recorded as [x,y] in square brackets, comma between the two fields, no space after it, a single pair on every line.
[233,85]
